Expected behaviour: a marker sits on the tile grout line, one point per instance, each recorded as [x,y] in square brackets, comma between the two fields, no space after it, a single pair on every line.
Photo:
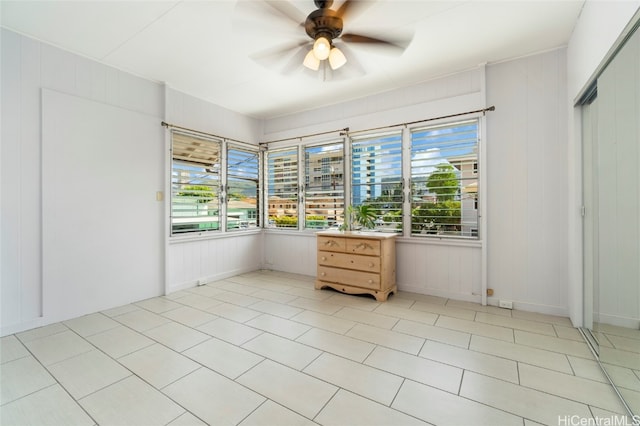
[56,379]
[342,307]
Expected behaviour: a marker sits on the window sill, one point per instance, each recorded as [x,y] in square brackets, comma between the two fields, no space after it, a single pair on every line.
[292,232]
[201,236]
[440,241]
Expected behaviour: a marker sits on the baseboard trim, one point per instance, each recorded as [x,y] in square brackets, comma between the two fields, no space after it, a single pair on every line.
[558,311]
[209,278]
[466,297]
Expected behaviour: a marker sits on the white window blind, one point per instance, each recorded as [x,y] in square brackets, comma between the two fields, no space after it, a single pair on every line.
[376,170]
[444,180]
[195,183]
[243,173]
[324,186]
[282,188]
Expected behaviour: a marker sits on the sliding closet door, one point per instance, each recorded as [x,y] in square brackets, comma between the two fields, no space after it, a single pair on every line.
[590,222]
[617,192]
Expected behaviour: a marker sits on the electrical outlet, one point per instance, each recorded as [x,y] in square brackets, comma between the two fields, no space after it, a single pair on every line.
[507,304]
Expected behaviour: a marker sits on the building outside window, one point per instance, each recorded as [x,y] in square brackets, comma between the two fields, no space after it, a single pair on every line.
[282,188]
[324,189]
[242,190]
[435,189]
[376,177]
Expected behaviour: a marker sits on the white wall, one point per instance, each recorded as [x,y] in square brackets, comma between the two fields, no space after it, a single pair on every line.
[192,259]
[290,251]
[100,215]
[429,99]
[449,270]
[527,182]
[187,111]
[598,27]
[55,269]
[27,67]
[526,238]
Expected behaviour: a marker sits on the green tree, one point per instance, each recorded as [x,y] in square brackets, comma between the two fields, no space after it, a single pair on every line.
[203,193]
[437,217]
[285,221]
[443,182]
[445,214]
[388,205]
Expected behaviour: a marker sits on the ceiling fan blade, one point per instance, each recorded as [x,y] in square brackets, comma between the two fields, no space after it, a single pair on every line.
[276,54]
[288,10]
[296,60]
[265,17]
[351,8]
[394,45]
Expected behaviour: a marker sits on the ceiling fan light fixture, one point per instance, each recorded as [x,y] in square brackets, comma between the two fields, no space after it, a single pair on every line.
[311,62]
[336,58]
[321,48]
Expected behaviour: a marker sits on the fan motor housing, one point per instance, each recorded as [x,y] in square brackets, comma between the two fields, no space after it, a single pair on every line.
[323,4]
[323,22]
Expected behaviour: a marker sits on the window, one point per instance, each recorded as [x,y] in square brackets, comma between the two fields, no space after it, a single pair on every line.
[424,178]
[324,189]
[195,183]
[282,188]
[444,180]
[376,167]
[243,167]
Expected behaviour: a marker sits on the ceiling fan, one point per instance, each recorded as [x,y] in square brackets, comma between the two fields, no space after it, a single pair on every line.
[324,27]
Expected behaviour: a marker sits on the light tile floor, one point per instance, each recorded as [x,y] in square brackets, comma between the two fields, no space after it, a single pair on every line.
[265,348]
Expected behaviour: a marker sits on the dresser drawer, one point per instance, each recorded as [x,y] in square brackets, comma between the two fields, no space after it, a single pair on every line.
[348,277]
[349,261]
[363,246]
[336,244]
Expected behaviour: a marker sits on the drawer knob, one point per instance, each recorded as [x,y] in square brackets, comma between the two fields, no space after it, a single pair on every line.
[370,281]
[324,258]
[323,274]
[370,264]
[364,246]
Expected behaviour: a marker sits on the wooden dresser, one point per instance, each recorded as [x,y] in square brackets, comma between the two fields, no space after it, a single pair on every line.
[357,263]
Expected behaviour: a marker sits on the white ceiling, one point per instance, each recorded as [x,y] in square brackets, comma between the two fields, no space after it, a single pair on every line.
[204,48]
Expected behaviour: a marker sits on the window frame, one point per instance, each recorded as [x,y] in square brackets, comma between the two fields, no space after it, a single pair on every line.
[295,188]
[255,151]
[398,197]
[186,144]
[222,177]
[471,174]
[403,165]
[331,178]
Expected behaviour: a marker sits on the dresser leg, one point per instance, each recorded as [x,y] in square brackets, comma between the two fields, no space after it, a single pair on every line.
[382,296]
